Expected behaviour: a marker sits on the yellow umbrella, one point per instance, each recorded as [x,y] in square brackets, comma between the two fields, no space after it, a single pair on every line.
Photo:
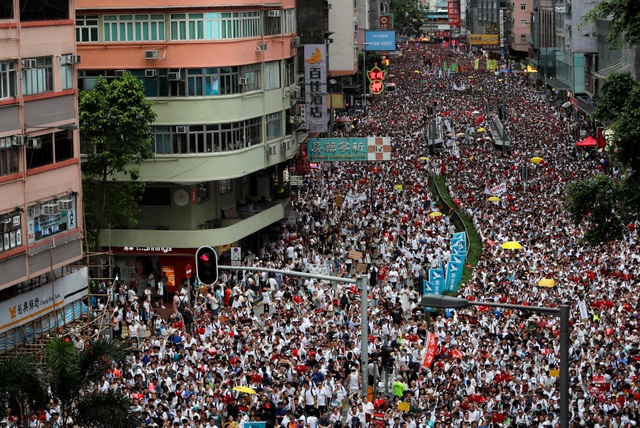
[546,282]
[511,245]
[435,214]
[494,199]
[480,130]
[244,389]
[536,159]
[423,158]
[417,71]
[459,134]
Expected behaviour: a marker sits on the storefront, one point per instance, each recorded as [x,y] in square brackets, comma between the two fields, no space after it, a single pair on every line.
[177,264]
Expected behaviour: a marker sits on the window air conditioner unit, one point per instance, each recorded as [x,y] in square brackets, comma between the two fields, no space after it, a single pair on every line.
[296,92]
[65,204]
[295,43]
[272,150]
[182,129]
[150,72]
[19,140]
[49,209]
[261,47]
[154,54]
[120,73]
[34,143]
[74,59]
[173,76]
[286,145]
[243,81]
[29,63]
[273,13]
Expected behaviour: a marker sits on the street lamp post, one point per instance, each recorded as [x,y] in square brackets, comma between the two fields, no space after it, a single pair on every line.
[364,76]
[439,301]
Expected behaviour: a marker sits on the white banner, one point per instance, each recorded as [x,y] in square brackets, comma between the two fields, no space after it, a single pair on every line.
[352,198]
[499,189]
[33,304]
[583,309]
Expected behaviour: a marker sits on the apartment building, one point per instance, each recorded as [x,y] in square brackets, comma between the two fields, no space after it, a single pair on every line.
[223,79]
[40,185]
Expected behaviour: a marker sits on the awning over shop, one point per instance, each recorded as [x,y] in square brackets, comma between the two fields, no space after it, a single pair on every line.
[557,84]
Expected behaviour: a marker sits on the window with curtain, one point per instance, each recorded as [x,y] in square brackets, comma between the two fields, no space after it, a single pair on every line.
[271,75]
[37,77]
[274,126]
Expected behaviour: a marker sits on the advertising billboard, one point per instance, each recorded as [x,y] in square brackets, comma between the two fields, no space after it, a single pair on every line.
[380,40]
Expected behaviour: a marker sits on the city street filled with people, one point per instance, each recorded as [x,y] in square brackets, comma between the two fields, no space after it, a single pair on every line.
[268,347]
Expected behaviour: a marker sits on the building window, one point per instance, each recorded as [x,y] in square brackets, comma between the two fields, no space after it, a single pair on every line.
[6,10]
[187,26]
[523,22]
[272,24]
[43,155]
[8,79]
[289,72]
[274,126]
[523,38]
[8,156]
[52,217]
[289,21]
[10,231]
[272,75]
[149,27]
[86,28]
[37,75]
[128,28]
[43,10]
[252,74]
[215,25]
[523,6]
[63,143]
[66,72]
[225,186]
[212,138]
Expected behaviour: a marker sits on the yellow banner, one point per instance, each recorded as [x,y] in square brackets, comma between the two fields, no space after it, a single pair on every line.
[483,39]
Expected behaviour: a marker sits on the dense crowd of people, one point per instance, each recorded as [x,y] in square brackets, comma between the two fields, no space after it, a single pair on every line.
[295,343]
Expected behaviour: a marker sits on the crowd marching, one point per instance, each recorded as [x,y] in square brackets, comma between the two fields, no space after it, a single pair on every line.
[293,344]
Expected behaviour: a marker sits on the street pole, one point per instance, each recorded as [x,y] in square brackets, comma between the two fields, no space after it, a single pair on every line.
[364,77]
[363,285]
[564,366]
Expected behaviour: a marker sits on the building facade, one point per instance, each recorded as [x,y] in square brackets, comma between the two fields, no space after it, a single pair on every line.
[223,79]
[40,182]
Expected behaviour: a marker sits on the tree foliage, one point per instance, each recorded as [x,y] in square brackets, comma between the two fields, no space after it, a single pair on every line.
[28,385]
[408,16]
[597,204]
[604,205]
[115,132]
[625,20]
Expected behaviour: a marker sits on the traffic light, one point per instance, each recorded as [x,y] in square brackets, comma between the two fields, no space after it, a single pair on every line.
[206,265]
[387,357]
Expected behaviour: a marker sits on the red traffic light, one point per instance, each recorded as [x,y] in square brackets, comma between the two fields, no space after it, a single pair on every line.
[204,258]
[206,265]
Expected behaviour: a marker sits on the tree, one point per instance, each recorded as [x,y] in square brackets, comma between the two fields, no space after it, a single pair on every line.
[597,204]
[63,376]
[605,204]
[408,16]
[625,20]
[115,131]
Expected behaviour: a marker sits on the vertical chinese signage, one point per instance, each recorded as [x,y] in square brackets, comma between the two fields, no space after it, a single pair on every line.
[315,74]
[453,11]
[376,78]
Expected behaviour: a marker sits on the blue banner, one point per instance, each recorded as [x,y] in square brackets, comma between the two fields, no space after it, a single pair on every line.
[454,275]
[436,277]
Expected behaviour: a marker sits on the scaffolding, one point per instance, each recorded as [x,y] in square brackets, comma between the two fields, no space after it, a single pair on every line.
[83,320]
